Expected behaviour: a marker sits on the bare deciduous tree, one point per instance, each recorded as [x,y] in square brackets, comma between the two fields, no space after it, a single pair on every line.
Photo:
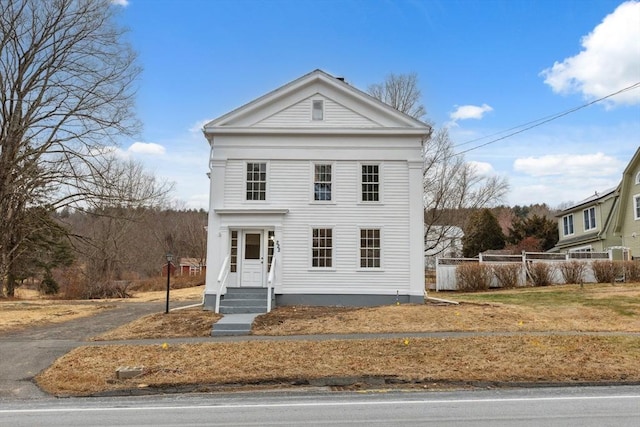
[451,185]
[400,91]
[66,91]
[110,244]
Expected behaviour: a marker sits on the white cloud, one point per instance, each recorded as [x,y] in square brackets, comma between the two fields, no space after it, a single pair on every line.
[609,61]
[465,112]
[123,3]
[146,148]
[579,166]
[482,168]
[197,126]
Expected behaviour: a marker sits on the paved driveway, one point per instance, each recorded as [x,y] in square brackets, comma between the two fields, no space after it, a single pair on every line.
[25,353]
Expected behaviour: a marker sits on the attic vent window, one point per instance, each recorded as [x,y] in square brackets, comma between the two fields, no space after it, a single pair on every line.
[317,110]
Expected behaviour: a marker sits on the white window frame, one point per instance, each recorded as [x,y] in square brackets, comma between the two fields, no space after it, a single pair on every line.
[331,183]
[589,218]
[246,181]
[312,248]
[361,182]
[380,256]
[582,249]
[317,114]
[565,225]
[638,178]
[636,207]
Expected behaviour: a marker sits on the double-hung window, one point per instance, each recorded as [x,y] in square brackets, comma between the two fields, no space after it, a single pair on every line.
[567,225]
[322,182]
[322,248]
[370,248]
[256,181]
[636,206]
[589,218]
[370,183]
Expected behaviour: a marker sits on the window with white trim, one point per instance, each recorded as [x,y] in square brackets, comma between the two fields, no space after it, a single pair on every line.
[370,248]
[322,182]
[317,109]
[636,206]
[256,181]
[638,178]
[589,218]
[567,225]
[322,248]
[370,183]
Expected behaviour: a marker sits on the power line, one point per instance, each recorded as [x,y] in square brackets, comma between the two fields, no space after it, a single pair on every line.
[538,122]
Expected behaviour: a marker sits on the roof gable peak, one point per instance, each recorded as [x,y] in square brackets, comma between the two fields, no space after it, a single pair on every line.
[321,83]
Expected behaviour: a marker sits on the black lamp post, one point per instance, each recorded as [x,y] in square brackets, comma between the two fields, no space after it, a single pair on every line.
[169,258]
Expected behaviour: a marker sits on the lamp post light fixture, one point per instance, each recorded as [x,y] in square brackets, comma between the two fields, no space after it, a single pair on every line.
[169,258]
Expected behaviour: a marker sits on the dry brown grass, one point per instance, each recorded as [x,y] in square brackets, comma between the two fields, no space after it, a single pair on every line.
[596,308]
[183,294]
[18,314]
[30,309]
[89,370]
[193,322]
[501,359]
[572,315]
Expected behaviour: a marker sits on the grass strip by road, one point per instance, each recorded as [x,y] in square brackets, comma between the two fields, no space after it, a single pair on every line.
[562,359]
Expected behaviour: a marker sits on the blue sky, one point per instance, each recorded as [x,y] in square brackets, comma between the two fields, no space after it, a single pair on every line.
[484,67]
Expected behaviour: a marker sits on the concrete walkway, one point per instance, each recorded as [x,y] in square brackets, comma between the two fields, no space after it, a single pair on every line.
[234,324]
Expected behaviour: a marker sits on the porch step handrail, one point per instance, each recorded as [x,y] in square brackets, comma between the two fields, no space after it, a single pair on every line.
[222,281]
[270,280]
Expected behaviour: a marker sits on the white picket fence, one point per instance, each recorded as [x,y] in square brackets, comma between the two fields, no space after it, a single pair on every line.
[446,267]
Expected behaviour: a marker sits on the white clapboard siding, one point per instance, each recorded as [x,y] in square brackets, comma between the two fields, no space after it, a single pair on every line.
[289,184]
[346,216]
[335,115]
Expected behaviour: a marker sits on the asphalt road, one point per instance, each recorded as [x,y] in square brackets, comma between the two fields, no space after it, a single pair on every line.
[589,407]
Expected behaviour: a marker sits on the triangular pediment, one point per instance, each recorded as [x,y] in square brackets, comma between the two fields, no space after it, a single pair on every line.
[290,107]
[335,114]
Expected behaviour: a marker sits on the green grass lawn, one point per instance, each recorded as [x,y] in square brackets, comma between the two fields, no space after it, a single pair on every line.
[623,299]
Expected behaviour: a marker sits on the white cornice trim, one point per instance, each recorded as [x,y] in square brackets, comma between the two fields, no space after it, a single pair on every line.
[316,131]
[251,211]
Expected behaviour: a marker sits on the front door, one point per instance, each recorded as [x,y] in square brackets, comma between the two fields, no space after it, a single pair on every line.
[252,260]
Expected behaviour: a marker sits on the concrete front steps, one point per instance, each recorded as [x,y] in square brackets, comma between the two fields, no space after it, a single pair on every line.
[240,306]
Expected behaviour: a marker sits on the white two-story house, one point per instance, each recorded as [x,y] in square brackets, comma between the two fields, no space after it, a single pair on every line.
[316,191]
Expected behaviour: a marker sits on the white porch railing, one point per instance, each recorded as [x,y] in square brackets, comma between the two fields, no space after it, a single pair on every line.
[270,280]
[222,281]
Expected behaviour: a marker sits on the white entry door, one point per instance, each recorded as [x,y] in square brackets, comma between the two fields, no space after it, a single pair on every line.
[252,274]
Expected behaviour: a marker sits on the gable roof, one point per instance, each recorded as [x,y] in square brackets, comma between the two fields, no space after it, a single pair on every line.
[591,200]
[628,180]
[367,114]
